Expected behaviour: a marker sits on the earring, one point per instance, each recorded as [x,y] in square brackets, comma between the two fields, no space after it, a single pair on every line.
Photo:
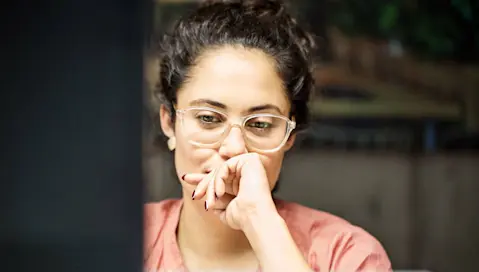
[171,143]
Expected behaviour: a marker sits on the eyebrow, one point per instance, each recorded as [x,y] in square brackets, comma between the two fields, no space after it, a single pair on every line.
[216,104]
[202,102]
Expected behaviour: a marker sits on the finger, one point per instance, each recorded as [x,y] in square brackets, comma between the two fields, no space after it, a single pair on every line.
[202,186]
[247,167]
[210,194]
[231,174]
[193,179]
[235,185]
[219,188]
[220,180]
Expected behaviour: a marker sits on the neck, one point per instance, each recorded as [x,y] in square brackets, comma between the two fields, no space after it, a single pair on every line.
[204,235]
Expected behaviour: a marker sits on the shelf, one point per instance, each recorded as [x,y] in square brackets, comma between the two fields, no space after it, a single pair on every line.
[385,109]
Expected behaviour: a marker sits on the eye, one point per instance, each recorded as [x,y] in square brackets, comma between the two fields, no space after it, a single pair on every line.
[208,118]
[260,125]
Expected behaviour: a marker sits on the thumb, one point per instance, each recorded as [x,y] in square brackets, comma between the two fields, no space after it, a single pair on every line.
[227,216]
[221,215]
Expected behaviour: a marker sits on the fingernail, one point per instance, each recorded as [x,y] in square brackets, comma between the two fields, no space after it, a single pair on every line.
[216,197]
[183,177]
[206,206]
[193,195]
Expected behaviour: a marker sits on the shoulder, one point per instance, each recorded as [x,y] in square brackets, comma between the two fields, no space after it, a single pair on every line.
[332,243]
[159,218]
[159,210]
[157,215]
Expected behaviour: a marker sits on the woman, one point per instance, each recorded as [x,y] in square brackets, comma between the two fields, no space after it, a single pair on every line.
[235,78]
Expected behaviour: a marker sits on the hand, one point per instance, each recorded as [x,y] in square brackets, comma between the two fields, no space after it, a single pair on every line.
[242,176]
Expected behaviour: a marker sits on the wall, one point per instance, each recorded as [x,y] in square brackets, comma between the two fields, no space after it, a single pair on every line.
[369,190]
[447,227]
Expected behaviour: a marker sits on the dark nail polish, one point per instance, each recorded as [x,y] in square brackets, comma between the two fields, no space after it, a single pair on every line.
[193,195]
[183,177]
[216,197]
[206,206]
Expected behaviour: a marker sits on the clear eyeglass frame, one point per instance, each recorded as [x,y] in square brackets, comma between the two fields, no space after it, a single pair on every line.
[291,125]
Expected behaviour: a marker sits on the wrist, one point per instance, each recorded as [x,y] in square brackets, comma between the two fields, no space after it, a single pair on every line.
[260,226]
[271,241]
[259,217]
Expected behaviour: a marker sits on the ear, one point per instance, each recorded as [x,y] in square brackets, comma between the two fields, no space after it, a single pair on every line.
[290,142]
[167,125]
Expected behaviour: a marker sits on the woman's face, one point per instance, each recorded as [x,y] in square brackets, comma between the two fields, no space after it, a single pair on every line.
[237,82]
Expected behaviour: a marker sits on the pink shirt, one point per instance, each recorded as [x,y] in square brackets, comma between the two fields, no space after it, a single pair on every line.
[327,242]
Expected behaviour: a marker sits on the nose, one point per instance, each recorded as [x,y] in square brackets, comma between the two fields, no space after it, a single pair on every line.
[233,144]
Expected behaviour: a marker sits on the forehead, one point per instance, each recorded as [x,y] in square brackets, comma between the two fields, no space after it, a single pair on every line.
[239,78]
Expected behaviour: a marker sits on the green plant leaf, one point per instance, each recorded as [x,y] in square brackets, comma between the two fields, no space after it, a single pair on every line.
[389,15]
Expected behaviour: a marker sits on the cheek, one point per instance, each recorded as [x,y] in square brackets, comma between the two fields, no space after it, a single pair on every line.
[190,159]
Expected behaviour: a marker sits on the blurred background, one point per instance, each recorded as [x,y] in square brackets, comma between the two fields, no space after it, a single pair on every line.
[394,142]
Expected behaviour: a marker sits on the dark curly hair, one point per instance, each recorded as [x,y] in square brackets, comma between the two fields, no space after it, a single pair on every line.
[257,24]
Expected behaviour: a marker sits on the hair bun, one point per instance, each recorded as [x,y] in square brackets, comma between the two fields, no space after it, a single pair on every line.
[273,11]
[273,8]
[262,7]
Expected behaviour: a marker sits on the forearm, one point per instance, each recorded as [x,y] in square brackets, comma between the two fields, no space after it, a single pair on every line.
[273,244]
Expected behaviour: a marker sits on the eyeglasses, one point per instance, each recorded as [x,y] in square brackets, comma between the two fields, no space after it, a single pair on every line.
[262,132]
